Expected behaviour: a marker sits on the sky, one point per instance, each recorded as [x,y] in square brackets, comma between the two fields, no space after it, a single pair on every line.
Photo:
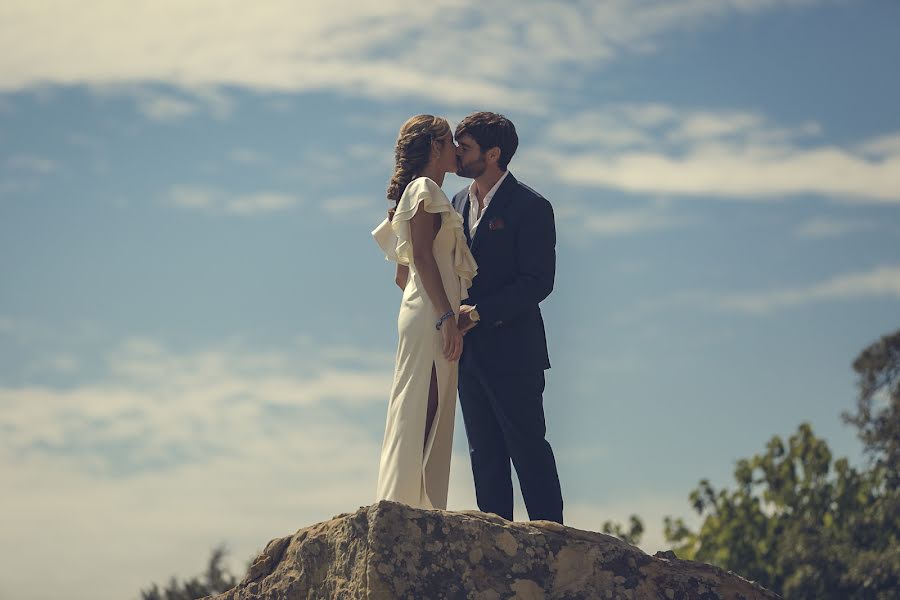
[197,331]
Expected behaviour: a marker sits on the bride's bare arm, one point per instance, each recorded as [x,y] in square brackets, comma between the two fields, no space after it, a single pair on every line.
[423,229]
[402,276]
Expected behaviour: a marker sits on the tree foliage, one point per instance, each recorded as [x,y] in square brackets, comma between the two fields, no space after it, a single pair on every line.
[632,536]
[214,581]
[798,522]
[877,416]
[802,525]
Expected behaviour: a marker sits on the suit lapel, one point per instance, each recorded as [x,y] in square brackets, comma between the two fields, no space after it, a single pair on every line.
[465,216]
[498,202]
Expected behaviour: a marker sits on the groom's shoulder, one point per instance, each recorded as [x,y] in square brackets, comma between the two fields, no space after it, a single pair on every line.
[531,197]
[528,191]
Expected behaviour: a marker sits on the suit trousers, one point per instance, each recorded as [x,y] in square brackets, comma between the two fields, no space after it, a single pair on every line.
[504,419]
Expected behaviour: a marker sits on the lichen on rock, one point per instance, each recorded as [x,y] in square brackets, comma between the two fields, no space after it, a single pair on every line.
[389,551]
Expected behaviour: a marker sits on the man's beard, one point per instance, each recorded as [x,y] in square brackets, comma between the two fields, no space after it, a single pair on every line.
[474,169]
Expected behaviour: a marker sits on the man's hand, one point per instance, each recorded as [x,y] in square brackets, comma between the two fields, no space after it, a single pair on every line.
[464,322]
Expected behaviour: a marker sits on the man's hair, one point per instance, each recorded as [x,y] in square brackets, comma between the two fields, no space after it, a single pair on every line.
[491,130]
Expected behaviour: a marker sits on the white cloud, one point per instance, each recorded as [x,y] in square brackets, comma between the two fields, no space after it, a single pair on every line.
[247,156]
[876,283]
[880,282]
[24,330]
[376,50]
[735,173]
[654,125]
[55,363]
[32,164]
[192,197]
[84,140]
[629,222]
[164,108]
[653,148]
[180,450]
[581,222]
[348,205]
[825,227]
[215,201]
[598,129]
[143,529]
[881,147]
[170,393]
[259,203]
[7,325]
[12,188]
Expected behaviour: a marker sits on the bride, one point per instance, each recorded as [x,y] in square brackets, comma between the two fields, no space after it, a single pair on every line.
[424,235]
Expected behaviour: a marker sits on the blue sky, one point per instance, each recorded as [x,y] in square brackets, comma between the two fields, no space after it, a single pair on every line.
[197,331]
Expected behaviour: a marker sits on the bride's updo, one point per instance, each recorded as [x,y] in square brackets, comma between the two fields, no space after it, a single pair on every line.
[413,150]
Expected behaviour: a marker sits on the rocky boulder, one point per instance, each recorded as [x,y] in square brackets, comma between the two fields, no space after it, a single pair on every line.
[389,551]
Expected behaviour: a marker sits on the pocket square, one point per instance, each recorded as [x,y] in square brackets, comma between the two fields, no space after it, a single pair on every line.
[496,223]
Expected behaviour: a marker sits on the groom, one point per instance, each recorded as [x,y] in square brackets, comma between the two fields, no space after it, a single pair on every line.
[511,232]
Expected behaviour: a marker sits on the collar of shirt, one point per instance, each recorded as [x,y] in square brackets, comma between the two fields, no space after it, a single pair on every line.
[473,203]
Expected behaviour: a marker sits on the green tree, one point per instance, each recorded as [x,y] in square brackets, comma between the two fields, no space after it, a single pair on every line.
[214,581]
[877,416]
[806,527]
[875,560]
[801,524]
[632,536]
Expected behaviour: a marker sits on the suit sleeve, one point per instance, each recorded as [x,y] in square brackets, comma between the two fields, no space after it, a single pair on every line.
[536,266]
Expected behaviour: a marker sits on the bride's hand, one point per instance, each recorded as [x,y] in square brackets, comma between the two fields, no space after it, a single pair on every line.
[453,339]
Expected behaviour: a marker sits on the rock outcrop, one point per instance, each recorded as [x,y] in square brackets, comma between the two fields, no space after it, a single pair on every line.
[389,551]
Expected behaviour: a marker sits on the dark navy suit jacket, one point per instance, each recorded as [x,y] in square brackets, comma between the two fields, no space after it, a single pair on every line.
[515,248]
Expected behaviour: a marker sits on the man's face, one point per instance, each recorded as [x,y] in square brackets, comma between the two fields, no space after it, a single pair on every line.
[469,158]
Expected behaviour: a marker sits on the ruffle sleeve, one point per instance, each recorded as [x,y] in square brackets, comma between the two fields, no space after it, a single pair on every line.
[387,240]
[394,236]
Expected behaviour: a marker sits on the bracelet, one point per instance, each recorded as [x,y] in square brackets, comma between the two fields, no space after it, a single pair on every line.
[443,318]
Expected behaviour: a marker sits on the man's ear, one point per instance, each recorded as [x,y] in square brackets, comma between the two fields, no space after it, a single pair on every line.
[493,155]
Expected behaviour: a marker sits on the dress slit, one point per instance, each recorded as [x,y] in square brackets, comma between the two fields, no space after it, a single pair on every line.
[432,433]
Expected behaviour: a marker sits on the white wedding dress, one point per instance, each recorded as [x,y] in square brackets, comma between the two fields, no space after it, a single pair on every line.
[407,472]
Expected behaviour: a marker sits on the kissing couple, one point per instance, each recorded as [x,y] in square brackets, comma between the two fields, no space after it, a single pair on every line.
[473,273]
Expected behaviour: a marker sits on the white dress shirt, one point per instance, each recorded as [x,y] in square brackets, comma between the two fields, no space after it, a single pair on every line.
[474,217]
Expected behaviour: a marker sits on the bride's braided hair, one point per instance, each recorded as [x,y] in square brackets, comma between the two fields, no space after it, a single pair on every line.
[413,150]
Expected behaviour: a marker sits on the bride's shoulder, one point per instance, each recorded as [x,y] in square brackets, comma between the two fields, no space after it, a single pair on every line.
[424,182]
[425,185]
